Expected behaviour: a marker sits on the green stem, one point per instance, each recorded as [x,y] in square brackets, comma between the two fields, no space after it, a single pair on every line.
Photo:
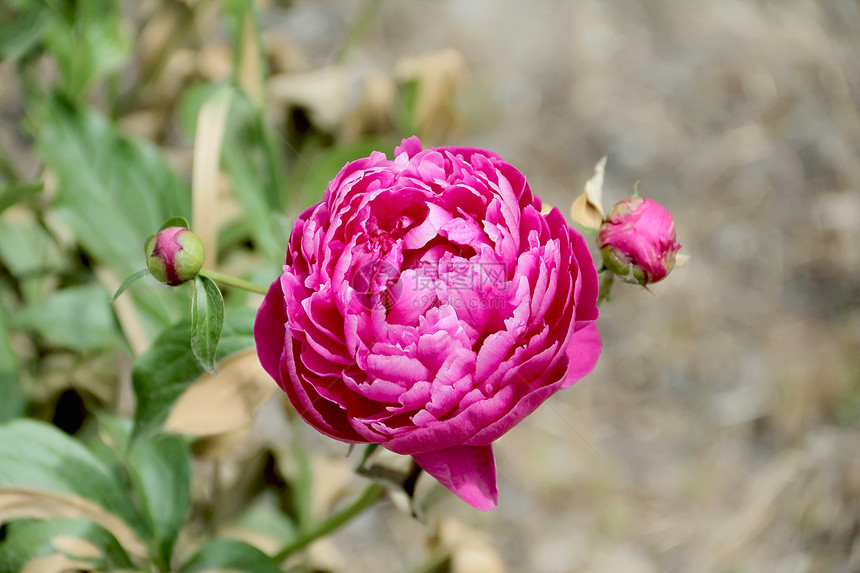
[607,279]
[231,281]
[8,170]
[372,493]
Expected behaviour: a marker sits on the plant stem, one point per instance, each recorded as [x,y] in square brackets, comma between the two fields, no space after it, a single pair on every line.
[231,281]
[367,499]
[607,279]
[8,170]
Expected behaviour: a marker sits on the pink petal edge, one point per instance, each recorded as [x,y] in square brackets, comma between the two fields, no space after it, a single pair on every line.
[468,471]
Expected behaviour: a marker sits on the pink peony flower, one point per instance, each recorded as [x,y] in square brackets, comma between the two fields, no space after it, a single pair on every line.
[637,240]
[427,306]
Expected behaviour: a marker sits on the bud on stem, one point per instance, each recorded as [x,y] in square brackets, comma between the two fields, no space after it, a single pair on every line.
[637,241]
[174,255]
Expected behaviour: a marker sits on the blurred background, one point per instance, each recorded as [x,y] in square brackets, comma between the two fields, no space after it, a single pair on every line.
[719,430]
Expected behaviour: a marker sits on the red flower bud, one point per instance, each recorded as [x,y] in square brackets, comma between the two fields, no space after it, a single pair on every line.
[174,255]
[637,241]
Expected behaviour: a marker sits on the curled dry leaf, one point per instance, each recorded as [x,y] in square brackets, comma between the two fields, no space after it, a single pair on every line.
[546,208]
[587,209]
[57,563]
[324,93]
[323,555]
[211,123]
[471,551]
[215,61]
[374,112]
[218,403]
[331,481]
[25,503]
[438,76]
[75,547]
[282,54]
[73,555]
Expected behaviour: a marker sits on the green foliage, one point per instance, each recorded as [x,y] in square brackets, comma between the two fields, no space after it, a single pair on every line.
[230,555]
[86,39]
[124,193]
[15,193]
[166,370]
[30,254]
[159,472]
[22,31]
[27,541]
[77,318]
[12,399]
[207,321]
[55,469]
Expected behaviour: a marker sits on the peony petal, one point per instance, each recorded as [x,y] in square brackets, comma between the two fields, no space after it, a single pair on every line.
[269,331]
[583,352]
[321,413]
[469,472]
[411,146]
[586,305]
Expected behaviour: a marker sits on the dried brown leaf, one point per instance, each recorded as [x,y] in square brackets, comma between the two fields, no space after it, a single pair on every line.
[76,547]
[439,75]
[375,111]
[211,122]
[331,479]
[55,564]
[587,209]
[471,550]
[215,61]
[24,503]
[219,403]
[324,93]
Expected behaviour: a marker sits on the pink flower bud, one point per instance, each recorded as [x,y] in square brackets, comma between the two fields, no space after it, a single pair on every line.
[637,241]
[174,255]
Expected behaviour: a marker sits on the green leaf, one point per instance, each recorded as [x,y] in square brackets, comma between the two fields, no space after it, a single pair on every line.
[46,473]
[87,41]
[169,367]
[24,31]
[14,193]
[161,482]
[27,541]
[407,104]
[127,283]
[77,317]
[174,222]
[12,399]
[230,555]
[30,254]
[242,17]
[207,321]
[159,473]
[267,520]
[113,193]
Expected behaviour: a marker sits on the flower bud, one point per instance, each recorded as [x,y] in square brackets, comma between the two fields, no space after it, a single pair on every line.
[174,255]
[637,241]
